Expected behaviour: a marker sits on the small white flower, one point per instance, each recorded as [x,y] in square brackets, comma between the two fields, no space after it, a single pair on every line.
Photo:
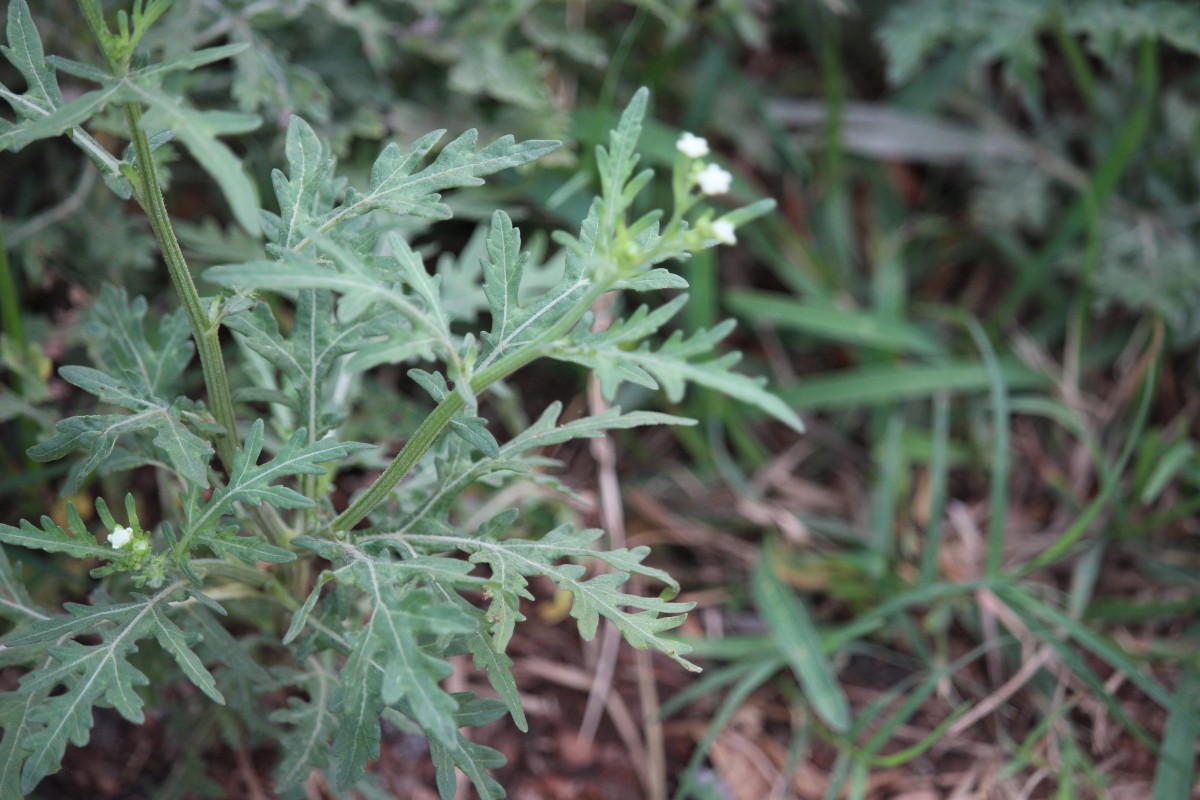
[714,180]
[692,146]
[723,232]
[120,537]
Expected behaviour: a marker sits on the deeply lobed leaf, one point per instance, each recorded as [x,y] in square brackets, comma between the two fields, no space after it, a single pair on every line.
[679,361]
[92,674]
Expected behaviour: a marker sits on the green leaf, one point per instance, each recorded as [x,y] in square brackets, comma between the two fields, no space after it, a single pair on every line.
[98,435]
[187,452]
[193,60]
[90,674]
[306,745]
[308,355]
[79,619]
[396,660]
[401,617]
[796,637]
[301,616]
[514,77]
[676,363]
[24,51]
[879,384]
[455,471]
[411,673]
[116,326]
[356,701]
[139,376]
[829,322]
[397,186]
[397,182]
[14,721]
[513,560]
[363,281]
[53,539]
[15,603]
[473,760]
[198,131]
[1174,775]
[254,483]
[485,656]
[41,110]
[503,267]
[179,645]
[220,645]
[250,549]
[310,169]
[471,429]
[617,162]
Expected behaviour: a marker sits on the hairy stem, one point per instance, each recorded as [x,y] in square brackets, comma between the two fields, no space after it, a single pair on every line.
[429,430]
[205,332]
[148,193]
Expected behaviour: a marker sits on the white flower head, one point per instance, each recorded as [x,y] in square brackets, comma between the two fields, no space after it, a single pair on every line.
[120,537]
[723,232]
[692,146]
[714,180]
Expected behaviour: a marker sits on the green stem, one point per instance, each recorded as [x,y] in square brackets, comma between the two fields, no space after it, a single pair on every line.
[244,573]
[1084,522]
[94,18]
[1103,183]
[205,332]
[10,305]
[150,196]
[1077,64]
[429,430]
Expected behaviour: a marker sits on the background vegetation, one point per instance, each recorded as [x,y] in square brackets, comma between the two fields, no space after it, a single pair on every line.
[975,576]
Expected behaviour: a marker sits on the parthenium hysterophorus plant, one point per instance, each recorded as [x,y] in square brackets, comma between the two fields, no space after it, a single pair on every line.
[352,624]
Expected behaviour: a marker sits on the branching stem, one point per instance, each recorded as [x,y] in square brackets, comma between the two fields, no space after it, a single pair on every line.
[429,430]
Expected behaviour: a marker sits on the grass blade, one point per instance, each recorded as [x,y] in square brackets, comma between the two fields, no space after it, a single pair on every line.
[829,322]
[1176,766]
[797,639]
[881,384]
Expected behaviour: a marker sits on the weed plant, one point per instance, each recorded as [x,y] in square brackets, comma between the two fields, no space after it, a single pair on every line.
[257,579]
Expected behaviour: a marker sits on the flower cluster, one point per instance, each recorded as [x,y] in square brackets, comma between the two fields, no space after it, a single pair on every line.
[129,539]
[709,177]
[712,180]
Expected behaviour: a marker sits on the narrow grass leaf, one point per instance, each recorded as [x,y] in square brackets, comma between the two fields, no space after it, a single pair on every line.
[796,637]
[1022,601]
[827,322]
[883,384]
[1174,775]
